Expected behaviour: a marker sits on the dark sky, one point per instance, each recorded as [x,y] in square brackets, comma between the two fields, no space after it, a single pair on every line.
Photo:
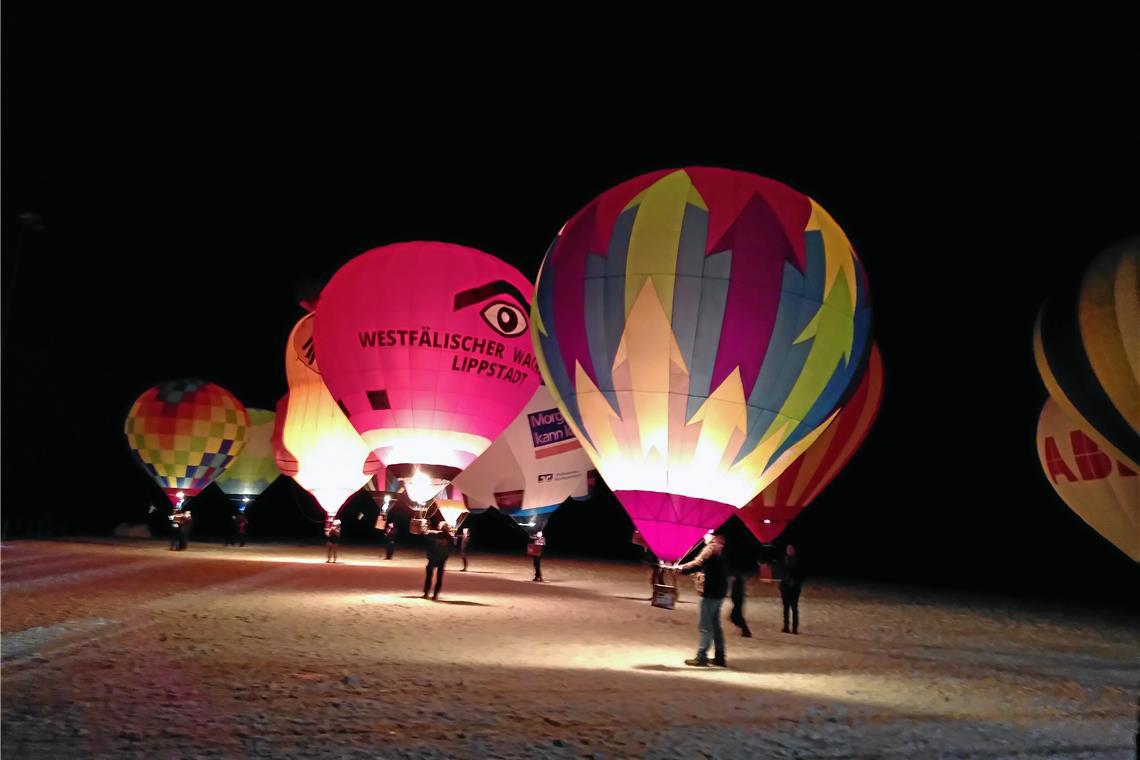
[194,173]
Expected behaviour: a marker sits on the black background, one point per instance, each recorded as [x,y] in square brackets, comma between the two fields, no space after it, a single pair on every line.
[197,174]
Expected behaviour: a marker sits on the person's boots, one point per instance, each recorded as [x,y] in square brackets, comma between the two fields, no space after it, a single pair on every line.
[719,661]
[698,662]
[745,631]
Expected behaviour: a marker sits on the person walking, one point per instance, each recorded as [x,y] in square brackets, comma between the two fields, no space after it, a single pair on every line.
[741,565]
[791,583]
[438,548]
[712,585]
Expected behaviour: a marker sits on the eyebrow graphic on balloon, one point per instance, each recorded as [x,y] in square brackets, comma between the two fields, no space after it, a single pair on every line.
[504,318]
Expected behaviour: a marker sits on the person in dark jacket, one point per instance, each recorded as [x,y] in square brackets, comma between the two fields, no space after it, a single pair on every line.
[242,528]
[711,562]
[791,582]
[332,539]
[184,526]
[741,565]
[175,529]
[535,550]
[238,524]
[438,548]
[390,533]
[461,542]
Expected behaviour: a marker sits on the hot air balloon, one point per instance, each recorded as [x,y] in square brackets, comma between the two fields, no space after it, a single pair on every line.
[699,329]
[531,469]
[314,442]
[1087,348]
[253,471]
[425,347]
[772,509]
[1105,493]
[185,433]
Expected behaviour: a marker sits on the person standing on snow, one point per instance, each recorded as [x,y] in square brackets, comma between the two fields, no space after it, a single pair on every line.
[712,587]
[791,583]
[461,542]
[390,535]
[332,539]
[438,549]
[535,550]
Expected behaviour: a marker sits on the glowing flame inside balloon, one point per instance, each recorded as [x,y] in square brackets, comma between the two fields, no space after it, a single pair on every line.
[421,488]
[451,510]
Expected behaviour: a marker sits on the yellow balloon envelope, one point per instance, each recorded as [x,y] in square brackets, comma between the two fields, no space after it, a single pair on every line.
[1087,348]
[315,443]
[1105,493]
[254,469]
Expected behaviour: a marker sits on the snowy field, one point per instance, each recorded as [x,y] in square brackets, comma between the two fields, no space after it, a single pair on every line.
[128,650]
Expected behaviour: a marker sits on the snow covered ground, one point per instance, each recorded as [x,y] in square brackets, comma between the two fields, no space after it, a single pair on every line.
[126,649]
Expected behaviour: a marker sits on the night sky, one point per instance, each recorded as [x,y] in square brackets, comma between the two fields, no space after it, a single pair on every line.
[196,175]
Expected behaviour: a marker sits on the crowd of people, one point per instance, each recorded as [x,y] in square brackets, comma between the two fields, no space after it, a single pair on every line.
[718,572]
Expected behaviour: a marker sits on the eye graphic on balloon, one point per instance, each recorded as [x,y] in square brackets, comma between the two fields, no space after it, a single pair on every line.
[506,319]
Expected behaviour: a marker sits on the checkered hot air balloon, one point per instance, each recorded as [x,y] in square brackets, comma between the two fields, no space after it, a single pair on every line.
[185,433]
[699,328]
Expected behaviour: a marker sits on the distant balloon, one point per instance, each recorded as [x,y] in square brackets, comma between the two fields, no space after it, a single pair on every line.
[185,433]
[531,469]
[426,348]
[1103,492]
[314,442]
[254,469]
[1087,348]
[773,508]
[699,328]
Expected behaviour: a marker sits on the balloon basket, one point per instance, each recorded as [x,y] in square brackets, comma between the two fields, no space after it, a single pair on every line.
[419,523]
[665,590]
[381,522]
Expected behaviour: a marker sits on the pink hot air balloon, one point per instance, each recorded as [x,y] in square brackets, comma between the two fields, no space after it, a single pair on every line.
[426,347]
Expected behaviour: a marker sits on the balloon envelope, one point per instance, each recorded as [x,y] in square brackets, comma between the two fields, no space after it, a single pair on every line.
[255,468]
[770,511]
[1105,493]
[532,468]
[1087,348]
[425,346]
[699,328]
[184,433]
[314,442]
